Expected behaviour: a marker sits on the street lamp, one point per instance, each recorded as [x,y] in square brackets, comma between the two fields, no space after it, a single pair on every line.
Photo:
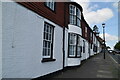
[103,25]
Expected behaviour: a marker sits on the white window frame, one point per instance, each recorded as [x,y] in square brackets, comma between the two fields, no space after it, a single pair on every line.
[72,37]
[74,42]
[48,39]
[50,4]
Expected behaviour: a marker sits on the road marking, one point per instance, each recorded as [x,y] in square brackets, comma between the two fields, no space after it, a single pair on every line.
[104,76]
[114,60]
[103,71]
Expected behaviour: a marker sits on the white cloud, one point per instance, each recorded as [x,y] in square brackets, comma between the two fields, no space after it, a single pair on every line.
[95,17]
[97,0]
[99,16]
[109,37]
[84,4]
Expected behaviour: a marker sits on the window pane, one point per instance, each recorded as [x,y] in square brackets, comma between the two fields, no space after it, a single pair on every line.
[71,19]
[78,13]
[50,37]
[47,28]
[45,44]
[72,10]
[78,50]
[46,52]
[50,4]
[50,29]
[43,51]
[73,39]
[78,22]
[49,52]
[49,44]
[72,50]
[46,36]
[74,20]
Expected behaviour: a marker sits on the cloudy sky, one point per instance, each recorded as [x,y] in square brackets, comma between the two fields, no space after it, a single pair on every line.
[97,12]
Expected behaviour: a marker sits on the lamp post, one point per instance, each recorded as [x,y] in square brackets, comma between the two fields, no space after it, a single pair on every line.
[103,25]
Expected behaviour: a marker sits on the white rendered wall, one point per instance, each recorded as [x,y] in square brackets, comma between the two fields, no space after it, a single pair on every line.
[86,49]
[74,61]
[94,42]
[66,47]
[74,29]
[23,41]
[91,50]
[0,40]
[99,49]
[83,54]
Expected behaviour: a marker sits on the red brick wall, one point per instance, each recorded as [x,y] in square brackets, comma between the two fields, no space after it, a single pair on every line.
[83,28]
[56,16]
[83,25]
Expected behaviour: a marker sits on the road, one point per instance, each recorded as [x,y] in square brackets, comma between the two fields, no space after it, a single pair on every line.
[116,57]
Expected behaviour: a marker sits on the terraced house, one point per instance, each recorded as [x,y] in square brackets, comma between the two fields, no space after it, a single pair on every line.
[40,38]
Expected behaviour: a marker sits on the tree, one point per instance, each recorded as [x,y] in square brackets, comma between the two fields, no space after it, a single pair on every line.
[117,46]
[95,28]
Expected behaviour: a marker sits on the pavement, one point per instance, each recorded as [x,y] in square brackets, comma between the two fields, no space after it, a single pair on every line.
[94,67]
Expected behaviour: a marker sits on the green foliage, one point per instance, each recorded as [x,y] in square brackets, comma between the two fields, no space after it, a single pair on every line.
[117,46]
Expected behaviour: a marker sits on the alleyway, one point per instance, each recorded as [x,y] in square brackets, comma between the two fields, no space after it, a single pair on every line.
[95,67]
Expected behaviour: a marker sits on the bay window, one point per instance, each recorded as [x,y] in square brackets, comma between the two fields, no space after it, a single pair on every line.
[75,15]
[74,45]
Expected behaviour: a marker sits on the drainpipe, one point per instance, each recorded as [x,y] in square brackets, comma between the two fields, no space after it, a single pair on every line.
[63,47]
[64,35]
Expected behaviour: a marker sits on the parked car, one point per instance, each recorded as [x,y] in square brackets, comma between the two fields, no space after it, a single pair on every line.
[112,52]
[117,51]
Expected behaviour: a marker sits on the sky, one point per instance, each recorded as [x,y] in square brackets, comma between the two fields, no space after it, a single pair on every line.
[98,12]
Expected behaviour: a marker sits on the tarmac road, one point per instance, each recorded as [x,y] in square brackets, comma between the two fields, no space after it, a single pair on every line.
[116,57]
